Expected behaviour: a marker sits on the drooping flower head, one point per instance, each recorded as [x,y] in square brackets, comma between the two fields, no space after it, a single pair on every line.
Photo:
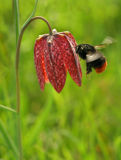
[54,55]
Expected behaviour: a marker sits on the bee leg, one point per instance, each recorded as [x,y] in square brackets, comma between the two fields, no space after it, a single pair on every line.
[88,68]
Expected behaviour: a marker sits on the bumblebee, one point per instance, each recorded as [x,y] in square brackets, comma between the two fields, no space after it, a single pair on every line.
[94,59]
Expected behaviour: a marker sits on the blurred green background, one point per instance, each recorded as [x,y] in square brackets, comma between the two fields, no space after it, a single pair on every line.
[80,123]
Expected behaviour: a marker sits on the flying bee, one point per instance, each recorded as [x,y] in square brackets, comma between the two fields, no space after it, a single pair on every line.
[94,59]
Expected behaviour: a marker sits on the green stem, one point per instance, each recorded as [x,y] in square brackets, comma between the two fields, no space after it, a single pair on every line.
[16,6]
[19,136]
[17,73]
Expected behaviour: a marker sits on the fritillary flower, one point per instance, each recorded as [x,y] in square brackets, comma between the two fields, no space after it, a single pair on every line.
[54,55]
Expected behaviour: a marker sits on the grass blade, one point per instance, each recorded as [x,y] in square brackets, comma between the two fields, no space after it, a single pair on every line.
[8,139]
[39,124]
[16,11]
[7,108]
[33,12]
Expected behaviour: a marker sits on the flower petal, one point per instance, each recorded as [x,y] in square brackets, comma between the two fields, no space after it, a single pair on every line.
[39,60]
[73,42]
[54,64]
[70,57]
[71,37]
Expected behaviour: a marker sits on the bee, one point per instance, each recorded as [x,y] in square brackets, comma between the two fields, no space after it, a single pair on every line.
[94,59]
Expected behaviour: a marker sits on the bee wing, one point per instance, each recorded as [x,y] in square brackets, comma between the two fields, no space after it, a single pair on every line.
[101,46]
[107,41]
[90,57]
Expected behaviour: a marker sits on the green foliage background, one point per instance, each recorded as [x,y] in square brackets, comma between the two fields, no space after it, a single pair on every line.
[80,123]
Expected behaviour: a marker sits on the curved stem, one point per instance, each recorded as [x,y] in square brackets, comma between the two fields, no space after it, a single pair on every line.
[18,53]
[17,74]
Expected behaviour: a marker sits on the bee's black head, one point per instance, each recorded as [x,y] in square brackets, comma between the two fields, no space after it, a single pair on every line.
[83,49]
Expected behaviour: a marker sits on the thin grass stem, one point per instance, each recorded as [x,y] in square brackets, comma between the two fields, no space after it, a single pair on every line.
[7,108]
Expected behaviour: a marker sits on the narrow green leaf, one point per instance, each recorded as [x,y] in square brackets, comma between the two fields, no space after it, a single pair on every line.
[39,124]
[103,147]
[33,12]
[8,139]
[16,12]
[7,108]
